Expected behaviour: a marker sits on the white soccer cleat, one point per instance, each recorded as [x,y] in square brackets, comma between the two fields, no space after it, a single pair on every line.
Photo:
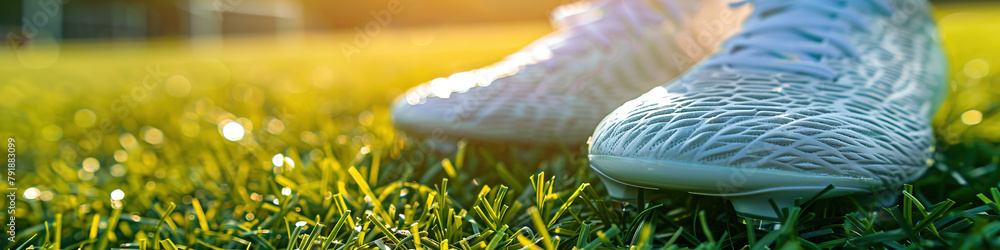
[558,88]
[811,93]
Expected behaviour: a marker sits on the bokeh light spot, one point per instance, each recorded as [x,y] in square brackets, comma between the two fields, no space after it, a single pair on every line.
[190,128]
[91,164]
[32,193]
[366,118]
[128,141]
[233,131]
[278,160]
[117,170]
[85,118]
[178,86]
[976,68]
[246,123]
[47,195]
[972,117]
[275,126]
[117,195]
[52,133]
[440,87]
[152,135]
[121,155]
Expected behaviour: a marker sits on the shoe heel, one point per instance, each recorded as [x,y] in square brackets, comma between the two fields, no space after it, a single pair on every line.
[756,210]
[623,192]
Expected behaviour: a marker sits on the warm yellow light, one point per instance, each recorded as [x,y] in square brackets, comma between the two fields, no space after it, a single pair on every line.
[972,117]
[233,131]
[976,68]
[152,135]
[91,165]
[178,86]
[85,118]
[52,133]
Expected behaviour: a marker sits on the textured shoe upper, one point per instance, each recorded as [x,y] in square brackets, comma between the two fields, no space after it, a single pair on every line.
[779,97]
[561,86]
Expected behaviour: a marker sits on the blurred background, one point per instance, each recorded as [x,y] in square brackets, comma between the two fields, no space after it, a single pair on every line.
[261,59]
[137,21]
[145,19]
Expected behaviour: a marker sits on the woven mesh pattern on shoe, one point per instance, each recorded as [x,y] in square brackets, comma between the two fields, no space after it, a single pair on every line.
[872,121]
[560,87]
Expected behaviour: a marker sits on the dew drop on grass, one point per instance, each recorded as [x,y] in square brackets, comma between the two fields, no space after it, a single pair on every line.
[47,195]
[91,165]
[233,131]
[286,191]
[31,193]
[117,195]
[117,170]
[278,160]
[300,224]
[152,135]
[972,117]
[121,155]
[84,175]
[275,126]
[128,141]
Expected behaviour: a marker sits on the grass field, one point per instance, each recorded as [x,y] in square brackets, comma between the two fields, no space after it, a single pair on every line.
[265,146]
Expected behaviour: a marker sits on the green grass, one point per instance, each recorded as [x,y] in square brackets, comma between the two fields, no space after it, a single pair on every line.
[350,180]
[362,184]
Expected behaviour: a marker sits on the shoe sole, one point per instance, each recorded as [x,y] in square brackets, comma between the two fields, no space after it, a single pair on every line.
[749,189]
